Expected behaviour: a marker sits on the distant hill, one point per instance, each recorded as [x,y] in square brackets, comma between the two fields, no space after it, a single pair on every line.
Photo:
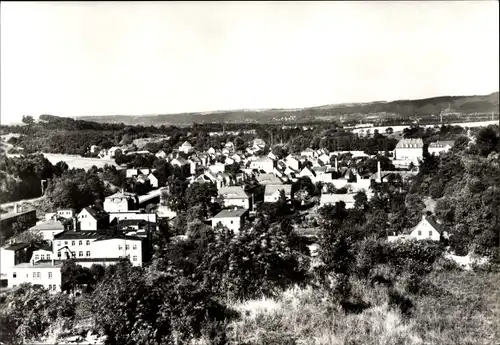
[450,107]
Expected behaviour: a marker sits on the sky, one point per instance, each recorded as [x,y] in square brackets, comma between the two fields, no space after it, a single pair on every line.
[132,58]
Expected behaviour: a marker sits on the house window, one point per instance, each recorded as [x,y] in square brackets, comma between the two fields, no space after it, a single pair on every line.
[134,246]
[37,257]
[50,275]
[419,233]
[59,255]
[14,275]
[58,243]
[38,275]
[88,253]
[127,247]
[50,287]
[231,222]
[65,243]
[430,233]
[54,287]
[42,257]
[34,274]
[80,254]
[88,242]
[119,247]
[80,243]
[134,258]
[72,243]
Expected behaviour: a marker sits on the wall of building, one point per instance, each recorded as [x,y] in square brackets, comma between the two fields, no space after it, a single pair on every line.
[233,223]
[245,203]
[48,277]
[118,247]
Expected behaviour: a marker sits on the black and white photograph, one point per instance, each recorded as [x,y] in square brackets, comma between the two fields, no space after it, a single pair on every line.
[249,173]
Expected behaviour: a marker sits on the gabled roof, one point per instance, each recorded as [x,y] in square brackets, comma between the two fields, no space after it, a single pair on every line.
[95,213]
[186,144]
[231,213]
[431,222]
[270,189]
[410,143]
[233,192]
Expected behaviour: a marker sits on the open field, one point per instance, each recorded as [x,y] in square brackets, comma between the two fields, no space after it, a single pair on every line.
[78,162]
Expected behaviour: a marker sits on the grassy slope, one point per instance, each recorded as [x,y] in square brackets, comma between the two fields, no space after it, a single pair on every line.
[467,311]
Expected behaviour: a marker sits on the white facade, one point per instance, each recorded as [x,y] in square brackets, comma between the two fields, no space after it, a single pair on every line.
[425,231]
[86,221]
[46,274]
[42,254]
[66,213]
[264,163]
[118,248]
[80,246]
[237,202]
[411,150]
[232,219]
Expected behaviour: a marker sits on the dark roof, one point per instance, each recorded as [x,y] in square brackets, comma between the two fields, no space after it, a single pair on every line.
[75,235]
[44,246]
[120,236]
[17,246]
[95,213]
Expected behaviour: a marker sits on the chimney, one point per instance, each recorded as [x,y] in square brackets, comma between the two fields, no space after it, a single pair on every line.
[75,224]
[336,165]
[379,173]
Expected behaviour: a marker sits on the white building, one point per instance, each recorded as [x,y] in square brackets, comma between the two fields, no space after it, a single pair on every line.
[440,146]
[118,247]
[265,179]
[186,147]
[272,192]
[12,255]
[235,196]
[233,219]
[426,229]
[91,219]
[73,244]
[121,202]
[332,199]
[263,163]
[408,151]
[42,273]
[67,213]
[309,153]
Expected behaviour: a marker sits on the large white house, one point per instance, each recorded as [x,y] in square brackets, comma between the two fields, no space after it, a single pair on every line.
[12,255]
[272,192]
[42,273]
[233,219]
[92,219]
[409,151]
[235,196]
[263,163]
[121,202]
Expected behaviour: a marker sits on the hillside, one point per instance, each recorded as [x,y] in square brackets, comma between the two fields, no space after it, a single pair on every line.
[453,108]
